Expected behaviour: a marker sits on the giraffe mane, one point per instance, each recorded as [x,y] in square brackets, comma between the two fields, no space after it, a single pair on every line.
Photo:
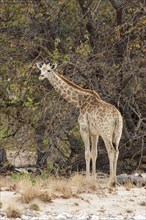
[92,92]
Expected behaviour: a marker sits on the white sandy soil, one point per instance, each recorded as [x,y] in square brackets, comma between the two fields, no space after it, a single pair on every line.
[119,204]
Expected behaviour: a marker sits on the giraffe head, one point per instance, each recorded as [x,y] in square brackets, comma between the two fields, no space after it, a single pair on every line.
[46,69]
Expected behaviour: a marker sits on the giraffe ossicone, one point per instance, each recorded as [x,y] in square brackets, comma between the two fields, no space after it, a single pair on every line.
[97,118]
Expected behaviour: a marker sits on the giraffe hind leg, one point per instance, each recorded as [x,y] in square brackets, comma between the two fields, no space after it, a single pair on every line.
[113,157]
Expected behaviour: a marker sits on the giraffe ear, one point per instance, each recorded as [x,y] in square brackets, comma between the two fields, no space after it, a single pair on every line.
[54,66]
[39,65]
[46,61]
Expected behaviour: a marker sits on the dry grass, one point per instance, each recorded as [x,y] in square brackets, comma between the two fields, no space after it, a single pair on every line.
[71,187]
[1,205]
[143,203]
[28,191]
[60,188]
[3,182]
[13,211]
[56,187]
[46,190]
[129,210]
[31,191]
[35,207]
[76,204]
[45,196]
[7,184]
[82,185]
[128,185]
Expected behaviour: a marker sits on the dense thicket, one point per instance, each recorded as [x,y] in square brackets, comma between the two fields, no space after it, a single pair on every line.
[97,44]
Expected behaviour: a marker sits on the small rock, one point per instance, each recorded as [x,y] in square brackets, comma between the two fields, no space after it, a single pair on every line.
[67,215]
[24,217]
[35,207]
[43,217]
[94,217]
[83,217]
[105,218]
[50,217]
[60,217]
[139,217]
[3,217]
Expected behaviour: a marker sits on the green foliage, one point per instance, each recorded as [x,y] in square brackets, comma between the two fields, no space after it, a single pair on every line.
[3,132]
[30,103]
[50,170]
[23,176]
[30,177]
[46,141]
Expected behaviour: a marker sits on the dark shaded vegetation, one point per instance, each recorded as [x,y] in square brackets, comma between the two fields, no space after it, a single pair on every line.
[98,45]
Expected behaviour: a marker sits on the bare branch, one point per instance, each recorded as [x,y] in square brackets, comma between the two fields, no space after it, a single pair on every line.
[118,4]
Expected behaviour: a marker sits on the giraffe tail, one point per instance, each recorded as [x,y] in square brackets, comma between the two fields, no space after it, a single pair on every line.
[117,131]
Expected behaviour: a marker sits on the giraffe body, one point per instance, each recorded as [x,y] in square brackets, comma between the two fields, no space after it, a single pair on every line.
[97,118]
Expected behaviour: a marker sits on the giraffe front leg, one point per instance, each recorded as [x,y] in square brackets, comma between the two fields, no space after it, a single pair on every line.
[94,141]
[87,158]
[86,140]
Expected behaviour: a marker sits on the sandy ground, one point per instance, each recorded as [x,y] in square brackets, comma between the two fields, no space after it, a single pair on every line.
[119,204]
[122,203]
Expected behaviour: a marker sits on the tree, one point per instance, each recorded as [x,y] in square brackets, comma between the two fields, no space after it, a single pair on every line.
[98,45]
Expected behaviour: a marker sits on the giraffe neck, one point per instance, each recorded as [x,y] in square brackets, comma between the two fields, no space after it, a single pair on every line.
[70,91]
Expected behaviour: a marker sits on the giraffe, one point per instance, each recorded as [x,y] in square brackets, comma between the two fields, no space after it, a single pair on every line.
[96,118]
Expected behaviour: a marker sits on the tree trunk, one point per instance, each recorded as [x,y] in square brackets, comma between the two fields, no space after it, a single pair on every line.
[41,152]
[4,164]
[41,159]
[90,24]
[3,157]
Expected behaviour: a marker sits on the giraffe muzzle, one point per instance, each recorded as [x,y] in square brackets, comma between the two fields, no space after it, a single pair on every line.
[41,77]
